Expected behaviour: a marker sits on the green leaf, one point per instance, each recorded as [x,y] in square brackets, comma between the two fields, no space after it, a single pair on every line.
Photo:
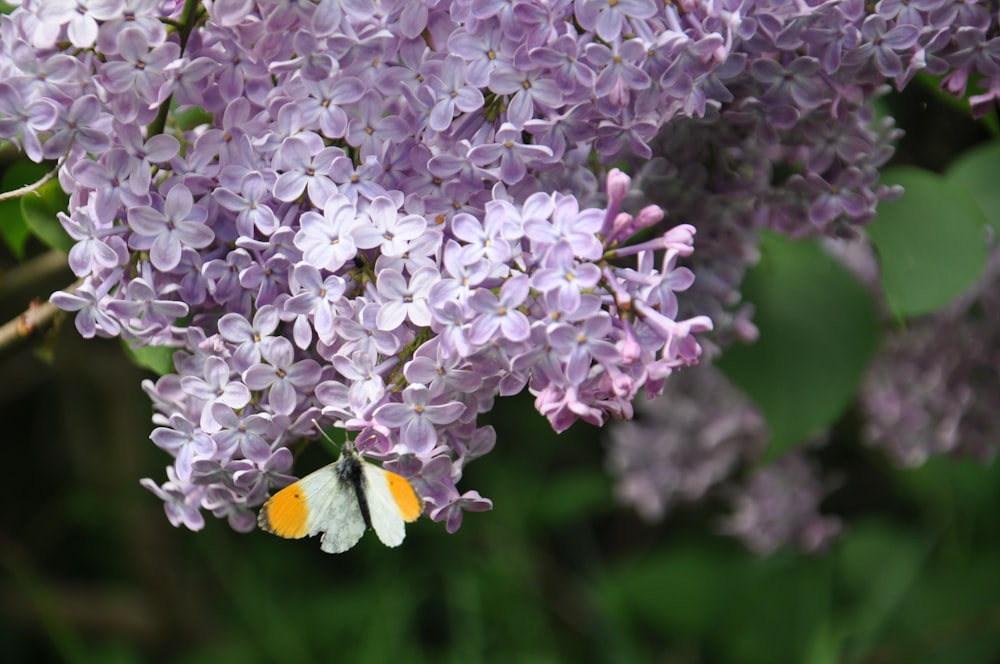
[878,564]
[818,328]
[13,228]
[158,359]
[191,118]
[976,170]
[39,210]
[679,591]
[573,495]
[776,609]
[931,241]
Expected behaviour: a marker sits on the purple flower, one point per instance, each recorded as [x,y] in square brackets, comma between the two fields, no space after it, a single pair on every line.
[164,233]
[514,156]
[500,313]
[619,70]
[251,204]
[213,387]
[98,247]
[562,58]
[452,93]
[91,304]
[441,375]
[366,383]
[371,129]
[84,125]
[253,338]
[582,344]
[245,431]
[326,101]
[451,512]
[608,17]
[568,224]
[797,83]
[185,442]
[109,178]
[140,70]
[481,49]
[142,312]
[565,277]
[315,297]
[780,506]
[416,418]
[282,376]
[388,231]
[181,501]
[528,90]
[304,164]
[880,43]
[402,300]
[81,16]
[22,121]
[327,240]
[391,231]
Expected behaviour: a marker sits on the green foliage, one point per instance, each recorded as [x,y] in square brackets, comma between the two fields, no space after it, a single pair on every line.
[557,572]
[13,227]
[158,359]
[931,241]
[39,210]
[976,171]
[818,329]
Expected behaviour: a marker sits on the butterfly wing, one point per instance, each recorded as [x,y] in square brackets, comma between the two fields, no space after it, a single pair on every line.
[392,503]
[321,502]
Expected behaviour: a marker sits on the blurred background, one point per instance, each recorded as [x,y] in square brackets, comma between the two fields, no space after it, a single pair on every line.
[558,571]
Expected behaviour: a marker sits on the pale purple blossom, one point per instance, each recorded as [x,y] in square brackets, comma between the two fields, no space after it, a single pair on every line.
[363,212]
[499,314]
[282,376]
[164,232]
[404,299]
[417,417]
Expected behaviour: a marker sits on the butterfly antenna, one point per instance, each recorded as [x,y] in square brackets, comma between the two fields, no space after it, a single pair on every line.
[322,432]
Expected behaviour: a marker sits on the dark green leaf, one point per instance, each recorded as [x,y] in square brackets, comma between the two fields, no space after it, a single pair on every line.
[191,118]
[13,228]
[787,596]
[977,170]
[571,496]
[158,359]
[931,241]
[39,210]
[817,330]
[682,590]
[877,564]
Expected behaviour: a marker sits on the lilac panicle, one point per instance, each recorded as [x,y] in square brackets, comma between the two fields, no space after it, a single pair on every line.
[377,189]
[924,398]
[779,506]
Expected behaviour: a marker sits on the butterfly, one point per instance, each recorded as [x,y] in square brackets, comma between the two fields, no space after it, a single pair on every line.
[342,500]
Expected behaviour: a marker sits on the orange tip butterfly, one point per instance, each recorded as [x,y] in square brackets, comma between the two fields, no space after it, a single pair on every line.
[342,500]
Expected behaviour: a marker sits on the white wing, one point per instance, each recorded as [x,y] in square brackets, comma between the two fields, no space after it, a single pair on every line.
[333,510]
[387,521]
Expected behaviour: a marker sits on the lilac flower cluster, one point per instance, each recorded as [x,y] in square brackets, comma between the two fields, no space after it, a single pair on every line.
[699,446]
[362,232]
[923,398]
[782,136]
[666,456]
[388,216]
[779,506]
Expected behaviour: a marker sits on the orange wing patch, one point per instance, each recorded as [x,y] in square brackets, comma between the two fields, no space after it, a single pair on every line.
[285,514]
[409,503]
